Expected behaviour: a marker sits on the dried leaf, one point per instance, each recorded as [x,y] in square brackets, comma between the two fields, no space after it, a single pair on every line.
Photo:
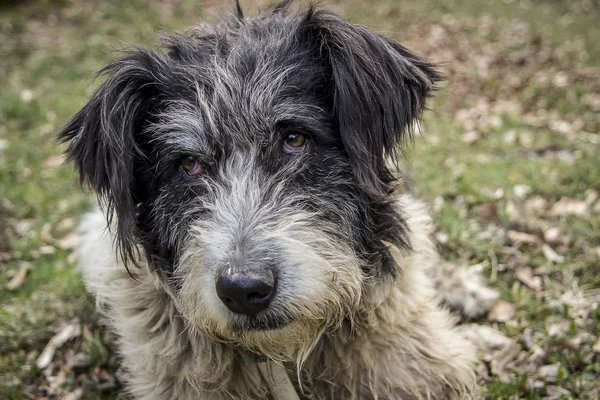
[551,255]
[522,237]
[442,237]
[499,350]
[72,258]
[536,205]
[69,242]
[67,332]
[75,395]
[45,234]
[521,191]
[557,329]
[557,393]
[21,227]
[549,372]
[510,137]
[512,211]
[538,356]
[488,212]
[26,96]
[502,311]
[596,346]
[525,275]
[46,250]
[66,224]
[566,206]
[572,344]
[54,162]
[102,375]
[80,360]
[577,302]
[471,137]
[554,237]
[7,204]
[19,279]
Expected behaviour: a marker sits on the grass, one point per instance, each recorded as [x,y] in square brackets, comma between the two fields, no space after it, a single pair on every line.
[548,145]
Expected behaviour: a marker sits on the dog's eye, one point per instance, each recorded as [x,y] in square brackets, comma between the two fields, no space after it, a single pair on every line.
[191,165]
[294,142]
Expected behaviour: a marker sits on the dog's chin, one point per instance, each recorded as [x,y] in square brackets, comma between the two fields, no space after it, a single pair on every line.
[279,338]
[244,324]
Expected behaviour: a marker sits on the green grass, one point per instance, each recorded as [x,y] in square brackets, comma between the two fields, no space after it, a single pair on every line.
[51,50]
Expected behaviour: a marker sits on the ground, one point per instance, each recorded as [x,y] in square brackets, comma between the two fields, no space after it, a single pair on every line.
[508,159]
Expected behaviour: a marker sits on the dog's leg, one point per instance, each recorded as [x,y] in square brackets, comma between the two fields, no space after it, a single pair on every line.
[461,289]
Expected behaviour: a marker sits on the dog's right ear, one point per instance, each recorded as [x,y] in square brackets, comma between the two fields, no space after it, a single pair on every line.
[378,90]
[103,137]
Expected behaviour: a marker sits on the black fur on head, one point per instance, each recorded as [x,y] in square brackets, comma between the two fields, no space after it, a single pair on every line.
[368,92]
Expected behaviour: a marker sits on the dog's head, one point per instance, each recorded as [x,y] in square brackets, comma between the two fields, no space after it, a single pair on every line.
[249,163]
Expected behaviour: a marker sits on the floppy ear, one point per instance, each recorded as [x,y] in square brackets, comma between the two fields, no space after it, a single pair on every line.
[379,91]
[102,137]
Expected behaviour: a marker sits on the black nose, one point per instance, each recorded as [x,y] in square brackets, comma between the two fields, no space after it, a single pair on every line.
[246,292]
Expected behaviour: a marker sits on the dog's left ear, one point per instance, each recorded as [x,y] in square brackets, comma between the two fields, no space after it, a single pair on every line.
[379,91]
[104,137]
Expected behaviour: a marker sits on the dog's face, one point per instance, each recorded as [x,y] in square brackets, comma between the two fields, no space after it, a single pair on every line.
[249,164]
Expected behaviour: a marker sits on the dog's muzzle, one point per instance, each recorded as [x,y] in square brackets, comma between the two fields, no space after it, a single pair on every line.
[246,292]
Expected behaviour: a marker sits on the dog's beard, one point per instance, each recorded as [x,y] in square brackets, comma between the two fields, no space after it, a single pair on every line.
[288,331]
[286,336]
[293,342]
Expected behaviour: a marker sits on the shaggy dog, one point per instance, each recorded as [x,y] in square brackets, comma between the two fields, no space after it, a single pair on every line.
[261,243]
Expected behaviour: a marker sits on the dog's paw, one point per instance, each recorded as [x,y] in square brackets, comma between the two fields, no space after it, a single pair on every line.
[464,291]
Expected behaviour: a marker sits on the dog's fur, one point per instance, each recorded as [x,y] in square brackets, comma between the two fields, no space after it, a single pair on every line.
[355,314]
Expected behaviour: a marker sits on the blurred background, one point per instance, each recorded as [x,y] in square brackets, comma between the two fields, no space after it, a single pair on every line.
[508,159]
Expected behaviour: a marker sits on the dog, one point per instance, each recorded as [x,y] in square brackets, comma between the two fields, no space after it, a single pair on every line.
[261,243]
